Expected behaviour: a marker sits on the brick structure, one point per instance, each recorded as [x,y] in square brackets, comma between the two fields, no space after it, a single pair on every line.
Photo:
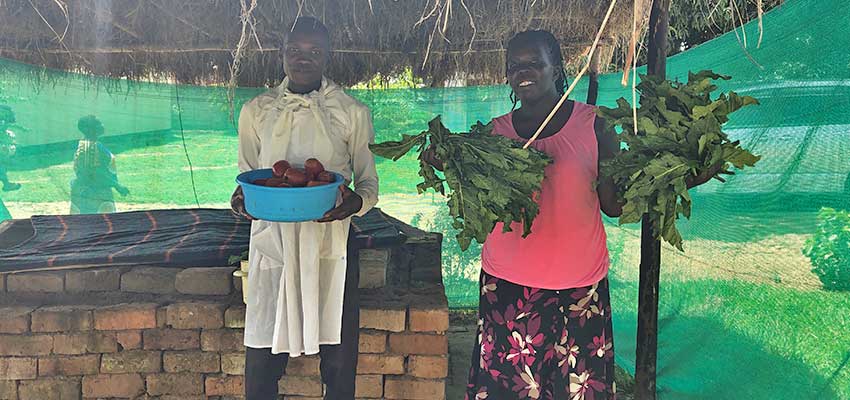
[165,333]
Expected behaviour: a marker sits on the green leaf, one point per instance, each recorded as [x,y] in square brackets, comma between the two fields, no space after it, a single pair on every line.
[706,74]
[702,111]
[680,133]
[394,150]
[489,178]
[736,102]
[647,126]
[739,157]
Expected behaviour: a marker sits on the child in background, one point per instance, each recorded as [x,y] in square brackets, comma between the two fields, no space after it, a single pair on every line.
[94,170]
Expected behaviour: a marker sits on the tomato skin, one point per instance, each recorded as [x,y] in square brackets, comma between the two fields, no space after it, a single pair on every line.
[313,167]
[279,168]
[326,176]
[296,177]
[275,182]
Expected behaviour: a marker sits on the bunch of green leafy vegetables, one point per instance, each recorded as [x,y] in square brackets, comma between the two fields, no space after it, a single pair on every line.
[679,135]
[491,178]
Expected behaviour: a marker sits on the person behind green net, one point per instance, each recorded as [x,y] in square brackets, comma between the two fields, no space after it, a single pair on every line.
[94,170]
[7,147]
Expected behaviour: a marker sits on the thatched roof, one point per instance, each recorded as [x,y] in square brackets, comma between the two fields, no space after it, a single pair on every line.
[193,40]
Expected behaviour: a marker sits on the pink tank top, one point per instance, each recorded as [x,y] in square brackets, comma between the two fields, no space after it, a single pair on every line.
[567,247]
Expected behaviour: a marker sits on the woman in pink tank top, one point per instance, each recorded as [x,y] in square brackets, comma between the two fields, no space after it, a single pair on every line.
[544,311]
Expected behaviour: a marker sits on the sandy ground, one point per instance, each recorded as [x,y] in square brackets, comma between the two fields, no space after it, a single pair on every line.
[776,260]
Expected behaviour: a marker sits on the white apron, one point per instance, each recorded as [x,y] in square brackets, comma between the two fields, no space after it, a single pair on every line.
[296,277]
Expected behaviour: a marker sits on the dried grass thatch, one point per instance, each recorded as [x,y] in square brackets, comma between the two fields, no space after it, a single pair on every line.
[195,41]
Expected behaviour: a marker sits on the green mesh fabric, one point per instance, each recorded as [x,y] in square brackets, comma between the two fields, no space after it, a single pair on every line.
[754,308]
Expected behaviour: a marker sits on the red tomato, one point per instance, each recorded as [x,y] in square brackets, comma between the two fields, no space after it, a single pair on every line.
[313,167]
[296,177]
[279,168]
[326,176]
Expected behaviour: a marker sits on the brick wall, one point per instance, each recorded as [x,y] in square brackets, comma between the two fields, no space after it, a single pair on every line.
[168,334]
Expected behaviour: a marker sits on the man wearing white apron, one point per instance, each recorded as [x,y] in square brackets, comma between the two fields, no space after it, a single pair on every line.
[302,280]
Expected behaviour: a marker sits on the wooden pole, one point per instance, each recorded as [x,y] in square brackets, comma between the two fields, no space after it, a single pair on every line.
[593,84]
[593,88]
[659,25]
[650,248]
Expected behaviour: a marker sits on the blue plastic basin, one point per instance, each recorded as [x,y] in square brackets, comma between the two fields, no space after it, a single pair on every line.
[287,204]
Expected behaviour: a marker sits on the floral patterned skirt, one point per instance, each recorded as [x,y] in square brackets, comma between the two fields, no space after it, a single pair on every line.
[542,344]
